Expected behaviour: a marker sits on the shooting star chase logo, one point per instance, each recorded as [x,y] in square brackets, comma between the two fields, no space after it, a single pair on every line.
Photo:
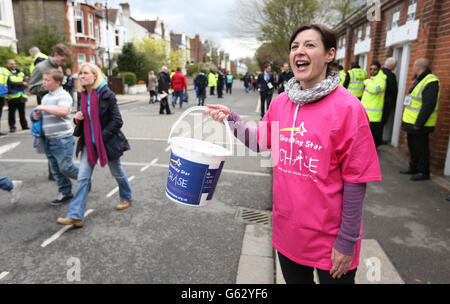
[176,162]
[300,129]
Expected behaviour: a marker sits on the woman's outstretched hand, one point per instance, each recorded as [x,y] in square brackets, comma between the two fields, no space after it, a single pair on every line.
[217,112]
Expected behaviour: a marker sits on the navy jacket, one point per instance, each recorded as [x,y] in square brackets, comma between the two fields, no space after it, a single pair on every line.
[111,122]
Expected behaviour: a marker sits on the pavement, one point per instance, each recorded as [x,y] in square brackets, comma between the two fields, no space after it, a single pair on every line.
[406,235]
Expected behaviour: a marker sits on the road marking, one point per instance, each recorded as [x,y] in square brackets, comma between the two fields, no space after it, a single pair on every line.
[147,138]
[117,188]
[149,165]
[8,147]
[61,231]
[3,274]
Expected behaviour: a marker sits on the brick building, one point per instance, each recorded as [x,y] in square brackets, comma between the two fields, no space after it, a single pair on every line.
[78,21]
[83,30]
[406,30]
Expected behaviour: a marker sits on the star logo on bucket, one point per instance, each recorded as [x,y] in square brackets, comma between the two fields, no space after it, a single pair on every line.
[177,162]
[300,129]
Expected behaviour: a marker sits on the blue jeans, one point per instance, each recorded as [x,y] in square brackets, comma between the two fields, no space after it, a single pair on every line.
[5,184]
[175,96]
[60,156]
[78,204]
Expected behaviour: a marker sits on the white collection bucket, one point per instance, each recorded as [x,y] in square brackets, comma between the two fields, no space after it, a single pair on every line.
[194,166]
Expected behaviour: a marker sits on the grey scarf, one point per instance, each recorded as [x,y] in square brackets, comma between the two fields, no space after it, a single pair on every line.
[321,89]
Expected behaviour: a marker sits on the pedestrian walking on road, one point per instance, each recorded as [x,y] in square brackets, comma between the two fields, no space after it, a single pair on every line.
[101,140]
[58,140]
[420,118]
[152,82]
[246,79]
[60,55]
[229,82]
[201,83]
[163,90]
[220,81]
[179,84]
[14,187]
[212,79]
[266,85]
[323,157]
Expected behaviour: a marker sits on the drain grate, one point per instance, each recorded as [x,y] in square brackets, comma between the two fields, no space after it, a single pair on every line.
[253,216]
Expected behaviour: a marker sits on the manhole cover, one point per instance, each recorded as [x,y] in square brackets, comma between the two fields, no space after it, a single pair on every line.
[253,216]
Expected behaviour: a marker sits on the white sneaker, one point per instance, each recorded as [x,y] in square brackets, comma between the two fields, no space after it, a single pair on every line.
[16,191]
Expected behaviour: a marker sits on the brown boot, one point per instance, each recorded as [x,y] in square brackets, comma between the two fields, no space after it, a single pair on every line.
[123,205]
[70,221]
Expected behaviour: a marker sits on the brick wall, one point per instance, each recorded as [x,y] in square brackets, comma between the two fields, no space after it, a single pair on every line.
[30,15]
[433,43]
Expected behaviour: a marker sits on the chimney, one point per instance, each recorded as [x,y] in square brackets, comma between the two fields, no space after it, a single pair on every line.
[125,9]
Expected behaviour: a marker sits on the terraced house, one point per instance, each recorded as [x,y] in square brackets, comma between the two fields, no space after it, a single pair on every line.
[406,30]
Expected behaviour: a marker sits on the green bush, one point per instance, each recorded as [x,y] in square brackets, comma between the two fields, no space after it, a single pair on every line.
[129,77]
[23,62]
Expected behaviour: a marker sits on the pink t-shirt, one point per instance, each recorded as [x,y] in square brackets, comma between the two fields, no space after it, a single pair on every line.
[332,143]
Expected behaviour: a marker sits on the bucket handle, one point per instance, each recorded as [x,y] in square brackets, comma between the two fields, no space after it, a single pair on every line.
[201,108]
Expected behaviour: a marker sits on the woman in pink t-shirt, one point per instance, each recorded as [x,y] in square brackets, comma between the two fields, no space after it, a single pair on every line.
[323,155]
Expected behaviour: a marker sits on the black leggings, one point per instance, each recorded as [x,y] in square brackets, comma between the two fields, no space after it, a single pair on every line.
[298,274]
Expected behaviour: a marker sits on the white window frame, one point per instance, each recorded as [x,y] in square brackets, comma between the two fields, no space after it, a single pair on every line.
[396,17]
[81,58]
[79,17]
[360,33]
[91,25]
[1,11]
[368,28]
[412,7]
[92,59]
[97,31]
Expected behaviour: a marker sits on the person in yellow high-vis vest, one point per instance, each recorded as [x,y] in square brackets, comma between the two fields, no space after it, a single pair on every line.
[17,96]
[3,91]
[354,80]
[38,57]
[373,100]
[419,118]
[212,82]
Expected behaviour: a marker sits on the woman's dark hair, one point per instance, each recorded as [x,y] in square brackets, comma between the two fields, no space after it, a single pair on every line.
[328,37]
[377,64]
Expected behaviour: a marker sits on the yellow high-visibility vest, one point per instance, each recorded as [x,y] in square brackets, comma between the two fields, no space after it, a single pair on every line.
[413,102]
[212,80]
[4,72]
[32,66]
[356,85]
[373,96]
[17,78]
[342,74]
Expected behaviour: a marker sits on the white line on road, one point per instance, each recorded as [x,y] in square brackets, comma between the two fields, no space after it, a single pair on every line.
[149,165]
[60,232]
[117,188]
[3,274]
[8,147]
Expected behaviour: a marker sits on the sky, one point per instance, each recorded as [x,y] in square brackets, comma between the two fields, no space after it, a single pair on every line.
[208,18]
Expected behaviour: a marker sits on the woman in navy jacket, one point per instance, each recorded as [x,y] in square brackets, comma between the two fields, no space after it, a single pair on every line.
[100,141]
